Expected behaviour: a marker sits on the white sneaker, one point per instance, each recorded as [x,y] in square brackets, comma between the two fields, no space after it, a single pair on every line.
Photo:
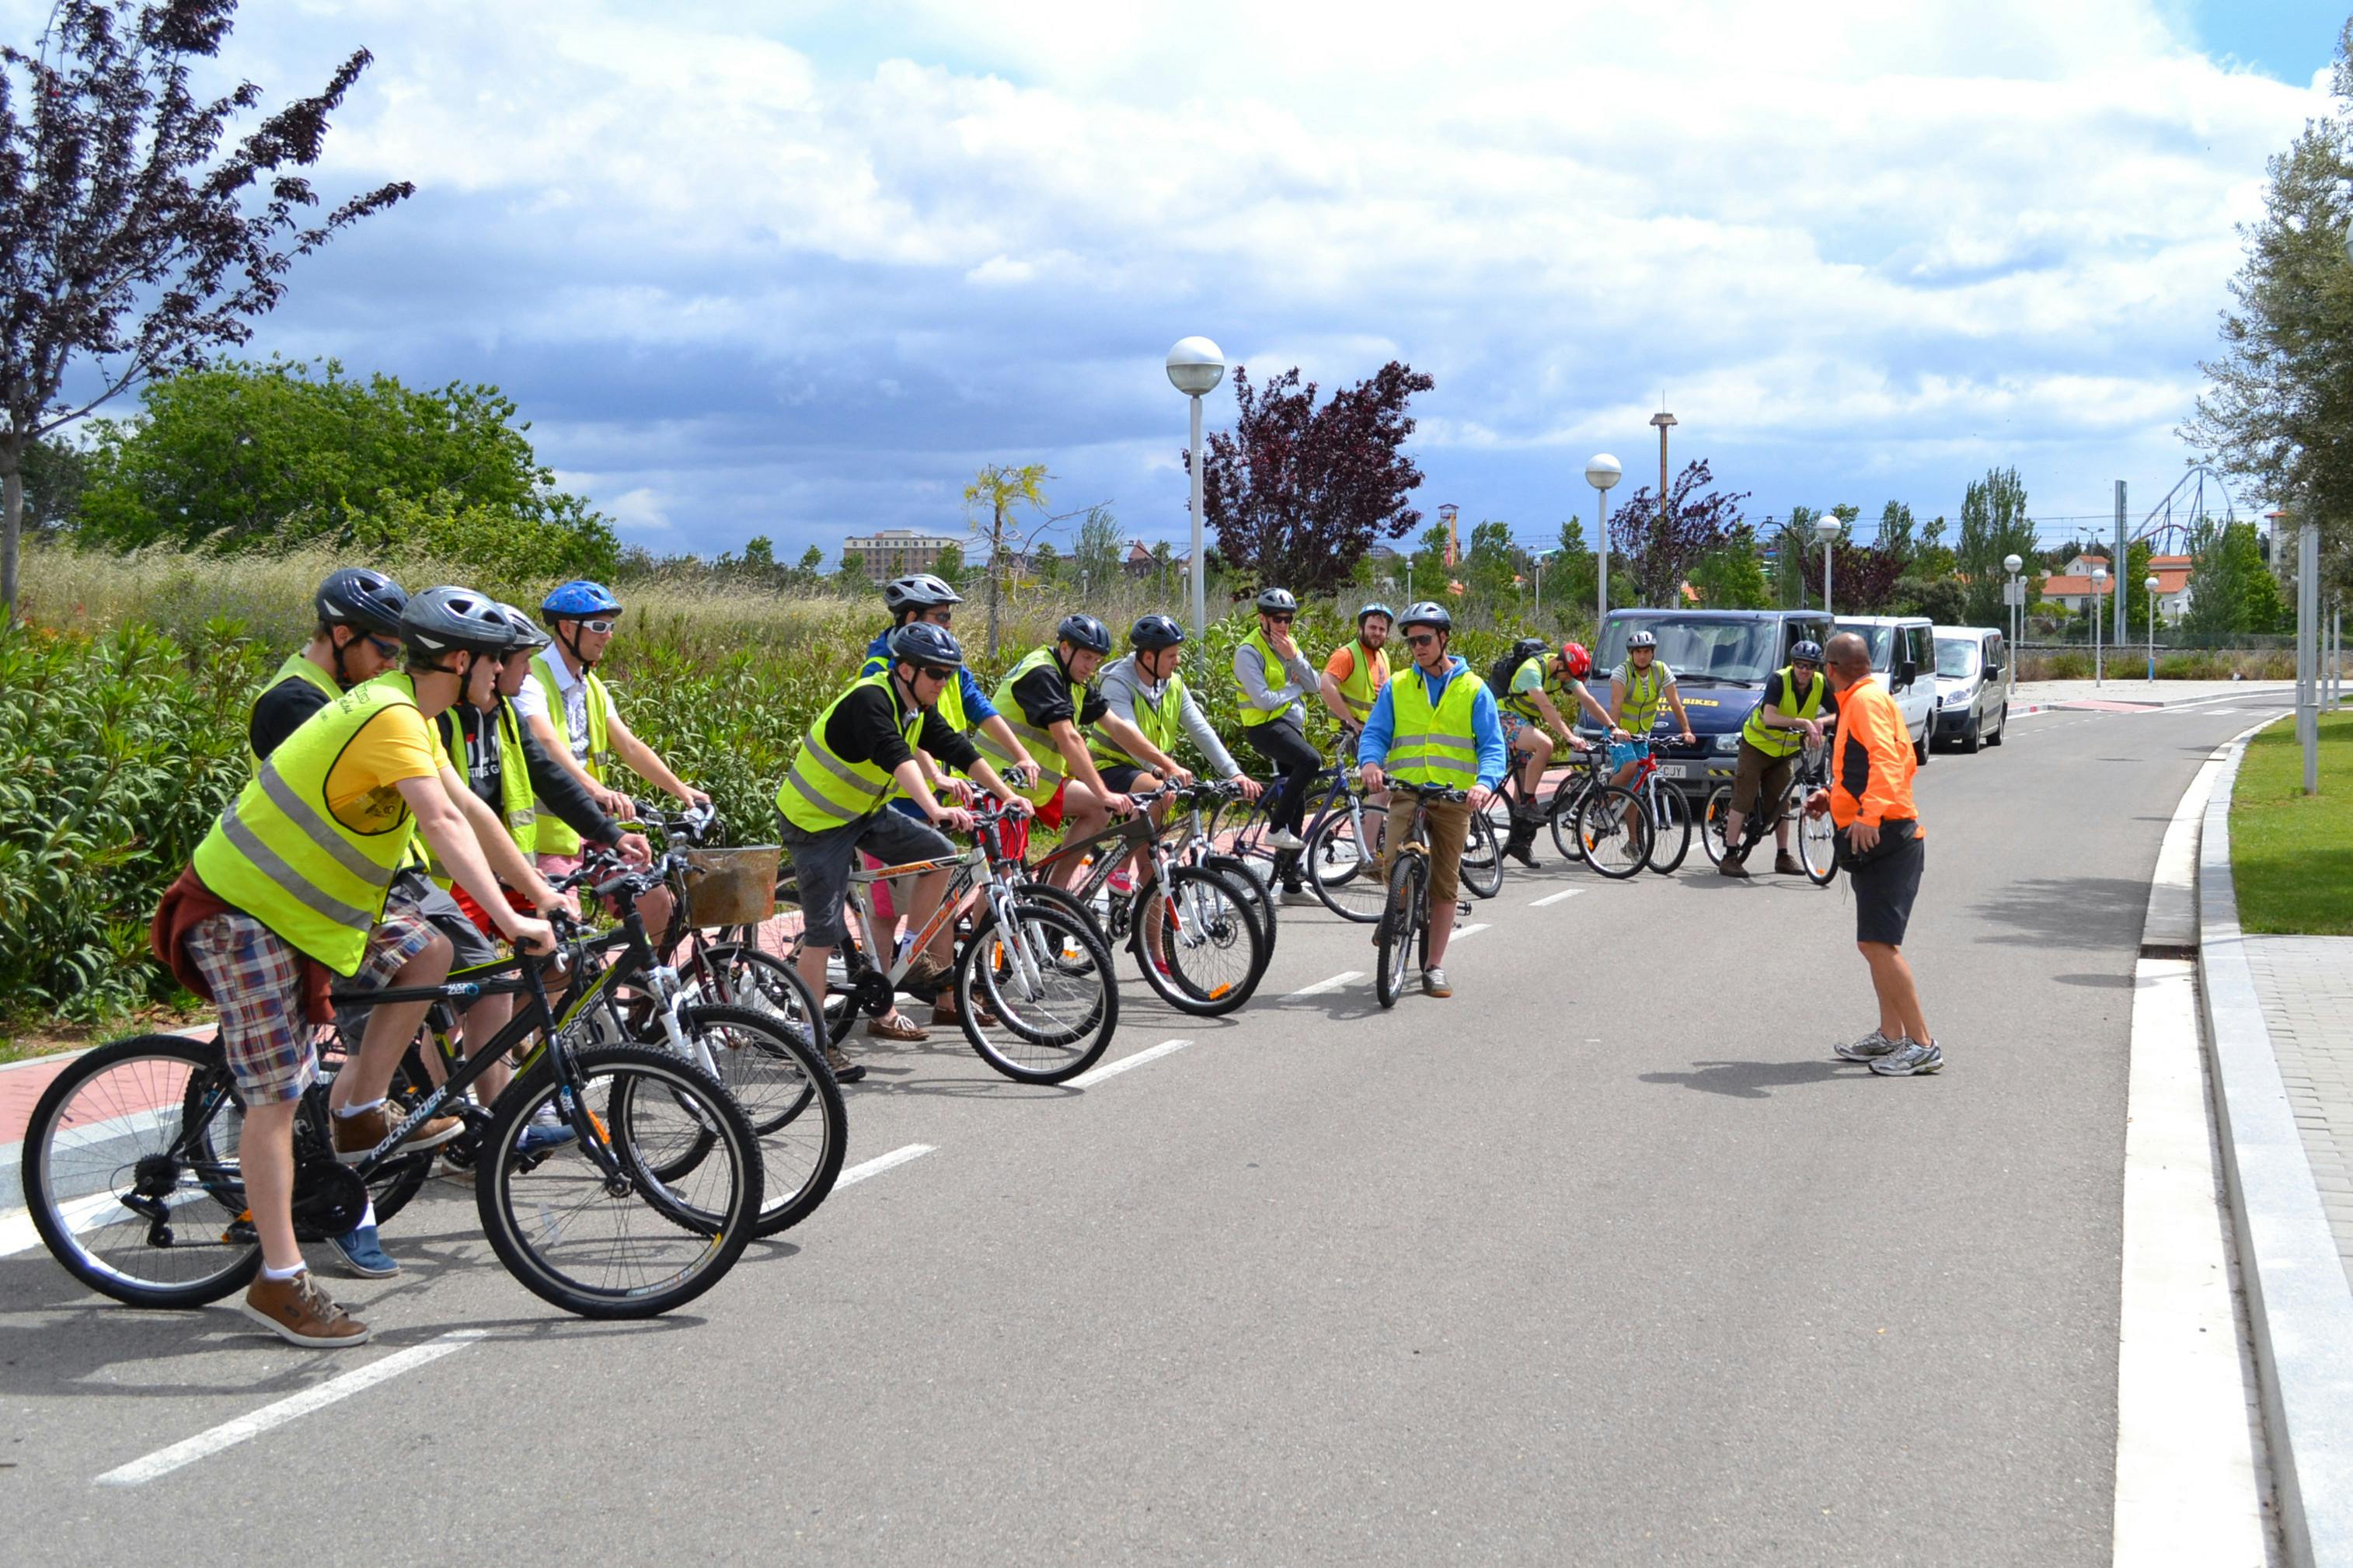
[1282,838]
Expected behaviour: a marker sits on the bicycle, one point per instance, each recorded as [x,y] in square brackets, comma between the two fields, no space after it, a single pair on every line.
[1559,806]
[131,1173]
[1038,965]
[1660,808]
[1607,827]
[1404,928]
[1817,837]
[1343,847]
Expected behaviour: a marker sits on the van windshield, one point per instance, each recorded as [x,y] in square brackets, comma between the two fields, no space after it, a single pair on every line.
[1733,652]
[1956,657]
[1878,639]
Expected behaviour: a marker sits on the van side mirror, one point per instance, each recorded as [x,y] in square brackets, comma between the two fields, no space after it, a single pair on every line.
[1907,672]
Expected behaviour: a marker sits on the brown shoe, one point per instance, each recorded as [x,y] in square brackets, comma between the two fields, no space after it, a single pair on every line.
[944,1014]
[898,1027]
[357,1136]
[926,977]
[1787,865]
[299,1312]
[1732,867]
[844,1069]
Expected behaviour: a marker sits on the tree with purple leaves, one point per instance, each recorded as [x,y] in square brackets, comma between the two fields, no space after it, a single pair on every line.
[1664,550]
[1297,493]
[126,236]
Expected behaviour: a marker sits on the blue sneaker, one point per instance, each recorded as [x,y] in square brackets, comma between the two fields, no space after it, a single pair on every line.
[545,1132]
[362,1254]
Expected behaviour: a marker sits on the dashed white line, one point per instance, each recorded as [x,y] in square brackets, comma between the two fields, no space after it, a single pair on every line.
[1462,932]
[1345,977]
[879,1164]
[228,1433]
[1554,897]
[1113,1069]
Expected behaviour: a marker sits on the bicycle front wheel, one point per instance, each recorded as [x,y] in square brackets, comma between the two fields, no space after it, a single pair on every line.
[130,1171]
[1614,831]
[776,1073]
[1711,824]
[588,1227]
[1817,841]
[1671,831]
[1400,927]
[1562,815]
[1198,944]
[1345,871]
[1261,897]
[1047,977]
[1483,859]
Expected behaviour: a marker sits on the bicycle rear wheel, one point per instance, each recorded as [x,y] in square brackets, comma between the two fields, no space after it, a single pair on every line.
[1344,872]
[1614,831]
[1261,897]
[1562,815]
[588,1227]
[1483,859]
[1711,824]
[776,1073]
[1050,981]
[1671,831]
[130,1171]
[1817,840]
[1207,933]
[1400,927]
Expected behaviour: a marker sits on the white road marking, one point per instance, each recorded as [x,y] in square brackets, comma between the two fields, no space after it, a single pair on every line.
[228,1433]
[1113,1069]
[879,1164]
[1462,932]
[1554,897]
[1346,976]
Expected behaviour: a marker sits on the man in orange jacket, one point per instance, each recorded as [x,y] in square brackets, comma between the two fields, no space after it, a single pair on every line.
[1870,799]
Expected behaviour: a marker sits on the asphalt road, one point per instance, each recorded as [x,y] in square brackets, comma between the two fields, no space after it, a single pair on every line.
[1605,1260]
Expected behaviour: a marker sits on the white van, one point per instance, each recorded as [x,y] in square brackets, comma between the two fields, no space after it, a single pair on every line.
[1903,649]
[1972,702]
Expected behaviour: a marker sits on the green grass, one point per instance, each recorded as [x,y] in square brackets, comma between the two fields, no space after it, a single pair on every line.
[2291,854]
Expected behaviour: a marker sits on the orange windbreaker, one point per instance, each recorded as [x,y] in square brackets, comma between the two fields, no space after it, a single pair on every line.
[1871,770]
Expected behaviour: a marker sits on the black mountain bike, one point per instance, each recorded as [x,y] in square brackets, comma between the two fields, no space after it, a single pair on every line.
[1817,837]
[1403,935]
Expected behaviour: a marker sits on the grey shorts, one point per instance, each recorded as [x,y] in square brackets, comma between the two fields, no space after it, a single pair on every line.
[822,863]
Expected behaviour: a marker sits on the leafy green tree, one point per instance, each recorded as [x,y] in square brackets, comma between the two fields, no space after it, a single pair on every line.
[1732,577]
[1045,562]
[989,504]
[564,541]
[949,566]
[55,475]
[1790,541]
[1095,557]
[1490,562]
[2231,592]
[1570,576]
[1994,526]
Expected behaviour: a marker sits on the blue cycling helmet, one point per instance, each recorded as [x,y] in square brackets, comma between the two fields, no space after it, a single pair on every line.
[1374,609]
[1807,651]
[579,598]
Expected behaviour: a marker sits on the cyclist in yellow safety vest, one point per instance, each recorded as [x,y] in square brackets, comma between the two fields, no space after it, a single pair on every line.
[1638,688]
[299,868]
[1276,680]
[1796,703]
[1531,720]
[357,638]
[1047,699]
[1144,689]
[856,757]
[1358,670]
[924,598]
[568,708]
[1435,724]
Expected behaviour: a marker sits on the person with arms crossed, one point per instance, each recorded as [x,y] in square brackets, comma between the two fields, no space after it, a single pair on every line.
[1438,724]
[1870,800]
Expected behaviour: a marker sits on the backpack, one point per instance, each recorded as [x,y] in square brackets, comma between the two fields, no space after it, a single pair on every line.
[1499,678]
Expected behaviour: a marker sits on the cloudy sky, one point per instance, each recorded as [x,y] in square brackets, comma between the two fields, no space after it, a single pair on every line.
[798,268]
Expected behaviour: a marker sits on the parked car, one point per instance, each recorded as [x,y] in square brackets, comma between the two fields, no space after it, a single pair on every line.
[1722,659]
[1972,688]
[1903,648]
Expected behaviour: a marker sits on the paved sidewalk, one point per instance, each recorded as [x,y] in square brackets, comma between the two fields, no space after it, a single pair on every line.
[2306,985]
[2139,693]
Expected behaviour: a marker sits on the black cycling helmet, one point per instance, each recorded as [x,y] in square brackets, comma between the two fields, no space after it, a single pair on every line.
[920,642]
[1374,609]
[922,591]
[1427,614]
[1085,631]
[1807,651]
[364,600]
[439,619]
[1277,602]
[526,632]
[1153,633]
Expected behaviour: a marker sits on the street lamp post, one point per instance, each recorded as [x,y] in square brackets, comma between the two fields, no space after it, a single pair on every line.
[2099,586]
[1196,366]
[1602,473]
[1826,528]
[2150,583]
[2011,563]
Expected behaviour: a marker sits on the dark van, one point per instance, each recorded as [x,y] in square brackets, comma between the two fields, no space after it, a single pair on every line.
[1722,659]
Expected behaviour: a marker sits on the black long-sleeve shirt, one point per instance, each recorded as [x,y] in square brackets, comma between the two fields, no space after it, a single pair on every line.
[472,734]
[280,712]
[866,727]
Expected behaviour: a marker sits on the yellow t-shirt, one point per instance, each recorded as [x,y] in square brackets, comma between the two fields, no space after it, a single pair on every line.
[363,787]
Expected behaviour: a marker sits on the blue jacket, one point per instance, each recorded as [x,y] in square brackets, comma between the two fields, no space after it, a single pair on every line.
[977,710]
[1486,721]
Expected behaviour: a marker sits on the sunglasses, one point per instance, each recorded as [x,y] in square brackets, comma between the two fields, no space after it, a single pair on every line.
[385,647]
[1281,620]
[1422,639]
[599,627]
[927,672]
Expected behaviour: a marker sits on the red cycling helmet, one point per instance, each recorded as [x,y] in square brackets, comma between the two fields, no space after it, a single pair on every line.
[1579,662]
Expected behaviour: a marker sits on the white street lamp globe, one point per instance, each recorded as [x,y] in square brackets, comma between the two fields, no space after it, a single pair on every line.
[1196,366]
[2149,584]
[2011,563]
[1826,526]
[1603,471]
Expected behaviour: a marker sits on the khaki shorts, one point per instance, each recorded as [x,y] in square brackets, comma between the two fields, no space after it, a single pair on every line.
[1754,772]
[1449,824]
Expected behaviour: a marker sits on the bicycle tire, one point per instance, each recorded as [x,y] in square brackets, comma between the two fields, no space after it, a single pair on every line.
[1675,832]
[1712,819]
[1817,842]
[98,1122]
[1615,831]
[1401,922]
[790,1099]
[1344,872]
[1561,815]
[1199,991]
[635,1084]
[1481,866]
[1261,897]
[1043,1047]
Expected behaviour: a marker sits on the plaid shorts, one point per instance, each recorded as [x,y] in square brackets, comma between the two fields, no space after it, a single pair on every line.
[255,977]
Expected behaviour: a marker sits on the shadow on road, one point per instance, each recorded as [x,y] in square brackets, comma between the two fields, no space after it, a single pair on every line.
[2068,911]
[1755,1080]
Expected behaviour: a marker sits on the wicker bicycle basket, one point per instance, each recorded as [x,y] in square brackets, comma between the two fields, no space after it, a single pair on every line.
[731,886]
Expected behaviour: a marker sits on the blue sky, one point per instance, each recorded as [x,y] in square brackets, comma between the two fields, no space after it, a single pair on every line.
[799,268]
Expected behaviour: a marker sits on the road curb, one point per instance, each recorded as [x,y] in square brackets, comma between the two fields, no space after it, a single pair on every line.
[2297,1300]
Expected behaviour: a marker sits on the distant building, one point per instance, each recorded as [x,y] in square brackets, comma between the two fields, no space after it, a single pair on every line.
[896,551]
